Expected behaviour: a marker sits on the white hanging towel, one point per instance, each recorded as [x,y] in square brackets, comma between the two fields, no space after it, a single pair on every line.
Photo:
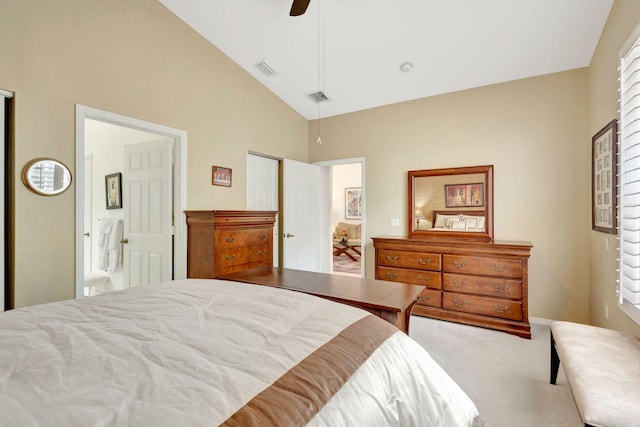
[115,246]
[106,225]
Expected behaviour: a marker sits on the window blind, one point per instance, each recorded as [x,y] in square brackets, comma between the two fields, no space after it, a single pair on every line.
[629,179]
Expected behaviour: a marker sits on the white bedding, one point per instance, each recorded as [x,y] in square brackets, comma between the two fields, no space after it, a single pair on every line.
[193,352]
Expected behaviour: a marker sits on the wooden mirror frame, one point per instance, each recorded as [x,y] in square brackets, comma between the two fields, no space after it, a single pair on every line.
[487,174]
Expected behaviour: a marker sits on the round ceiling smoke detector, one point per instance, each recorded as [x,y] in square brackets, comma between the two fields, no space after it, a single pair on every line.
[405,67]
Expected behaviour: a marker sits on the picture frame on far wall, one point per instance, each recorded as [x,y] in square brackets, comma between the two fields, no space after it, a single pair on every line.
[113,190]
[353,203]
[221,176]
[464,195]
[604,157]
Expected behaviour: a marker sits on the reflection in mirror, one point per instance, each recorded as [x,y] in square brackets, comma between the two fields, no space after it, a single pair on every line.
[453,203]
[46,177]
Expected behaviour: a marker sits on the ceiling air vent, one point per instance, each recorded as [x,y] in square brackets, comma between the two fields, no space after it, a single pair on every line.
[317,97]
[265,69]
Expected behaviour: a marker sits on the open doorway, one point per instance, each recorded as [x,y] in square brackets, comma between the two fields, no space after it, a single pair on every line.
[107,145]
[346,219]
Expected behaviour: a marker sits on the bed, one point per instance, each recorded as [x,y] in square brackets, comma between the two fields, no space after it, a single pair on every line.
[452,220]
[201,352]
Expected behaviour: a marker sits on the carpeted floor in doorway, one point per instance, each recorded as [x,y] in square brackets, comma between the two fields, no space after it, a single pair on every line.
[344,264]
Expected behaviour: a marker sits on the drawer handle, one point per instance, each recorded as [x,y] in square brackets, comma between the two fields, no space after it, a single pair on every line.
[459,285]
[500,309]
[262,236]
[427,298]
[423,279]
[461,265]
[496,267]
[498,289]
[229,258]
[394,259]
[424,261]
[459,304]
[262,253]
[230,240]
[392,275]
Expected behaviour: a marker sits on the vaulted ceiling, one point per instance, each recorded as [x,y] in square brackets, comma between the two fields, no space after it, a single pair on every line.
[352,50]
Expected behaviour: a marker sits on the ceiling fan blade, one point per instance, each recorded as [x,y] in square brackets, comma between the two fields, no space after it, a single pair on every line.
[298,7]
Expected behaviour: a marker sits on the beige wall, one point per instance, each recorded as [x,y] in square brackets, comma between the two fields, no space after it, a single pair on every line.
[137,59]
[533,131]
[603,107]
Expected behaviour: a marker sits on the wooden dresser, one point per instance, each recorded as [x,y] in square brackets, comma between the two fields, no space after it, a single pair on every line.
[475,283]
[222,242]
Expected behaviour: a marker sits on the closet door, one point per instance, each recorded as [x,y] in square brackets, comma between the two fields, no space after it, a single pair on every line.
[4,127]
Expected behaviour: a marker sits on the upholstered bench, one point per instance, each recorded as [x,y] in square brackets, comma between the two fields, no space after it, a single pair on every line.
[602,367]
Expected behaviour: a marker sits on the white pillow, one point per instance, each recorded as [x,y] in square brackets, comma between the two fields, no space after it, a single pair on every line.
[441,220]
[459,225]
[480,220]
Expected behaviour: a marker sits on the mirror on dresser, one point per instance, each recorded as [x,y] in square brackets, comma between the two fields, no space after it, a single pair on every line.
[451,203]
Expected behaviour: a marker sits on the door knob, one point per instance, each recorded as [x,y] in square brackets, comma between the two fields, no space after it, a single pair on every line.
[289,235]
[124,241]
[87,234]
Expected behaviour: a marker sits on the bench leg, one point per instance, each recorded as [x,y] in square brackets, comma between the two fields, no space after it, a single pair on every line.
[555,360]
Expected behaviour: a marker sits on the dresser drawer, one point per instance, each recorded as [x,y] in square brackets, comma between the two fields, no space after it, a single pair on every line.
[243,237]
[431,298]
[494,307]
[417,260]
[482,266]
[259,253]
[430,279]
[491,286]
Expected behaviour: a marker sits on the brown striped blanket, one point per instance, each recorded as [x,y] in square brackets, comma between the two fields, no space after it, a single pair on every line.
[211,352]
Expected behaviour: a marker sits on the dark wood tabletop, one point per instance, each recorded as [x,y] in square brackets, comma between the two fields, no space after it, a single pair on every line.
[370,293]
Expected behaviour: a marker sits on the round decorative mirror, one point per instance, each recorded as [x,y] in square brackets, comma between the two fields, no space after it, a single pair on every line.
[46,177]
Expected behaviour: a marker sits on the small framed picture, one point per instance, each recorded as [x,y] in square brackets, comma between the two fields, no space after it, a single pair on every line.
[464,195]
[113,187]
[603,179]
[221,176]
[353,203]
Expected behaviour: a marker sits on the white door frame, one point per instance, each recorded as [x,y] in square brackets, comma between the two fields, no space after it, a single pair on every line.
[179,195]
[364,216]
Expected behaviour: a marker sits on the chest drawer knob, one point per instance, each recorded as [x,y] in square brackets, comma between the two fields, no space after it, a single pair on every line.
[459,304]
[500,309]
[427,298]
[422,261]
[458,284]
[262,236]
[393,275]
[423,279]
[229,258]
[499,289]
[497,268]
[394,259]
[230,240]
[262,253]
[462,264]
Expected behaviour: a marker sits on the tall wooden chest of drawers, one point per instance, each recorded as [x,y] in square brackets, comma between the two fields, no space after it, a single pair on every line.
[221,242]
[477,283]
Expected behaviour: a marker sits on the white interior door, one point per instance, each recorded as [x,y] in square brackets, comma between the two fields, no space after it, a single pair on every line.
[262,191]
[88,200]
[301,216]
[147,205]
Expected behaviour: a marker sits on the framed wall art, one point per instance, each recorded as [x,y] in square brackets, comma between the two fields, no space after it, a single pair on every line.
[353,203]
[221,176]
[464,195]
[603,178]
[113,187]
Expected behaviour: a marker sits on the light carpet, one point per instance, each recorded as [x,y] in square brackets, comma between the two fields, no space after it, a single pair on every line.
[344,264]
[506,376]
